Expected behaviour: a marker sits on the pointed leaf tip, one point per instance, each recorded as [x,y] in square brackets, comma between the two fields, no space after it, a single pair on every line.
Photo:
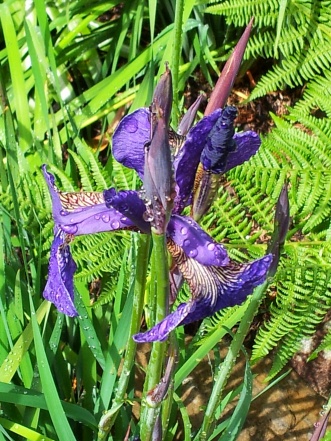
[225,82]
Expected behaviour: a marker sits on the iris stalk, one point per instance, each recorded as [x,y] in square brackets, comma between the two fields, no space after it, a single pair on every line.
[150,410]
[108,419]
[177,47]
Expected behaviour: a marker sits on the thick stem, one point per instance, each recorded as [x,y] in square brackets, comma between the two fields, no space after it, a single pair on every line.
[108,419]
[227,365]
[150,410]
[177,47]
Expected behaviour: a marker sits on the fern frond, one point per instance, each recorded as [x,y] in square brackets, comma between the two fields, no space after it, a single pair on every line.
[240,12]
[99,253]
[303,298]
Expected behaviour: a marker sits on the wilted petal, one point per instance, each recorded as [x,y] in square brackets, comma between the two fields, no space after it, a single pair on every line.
[248,143]
[161,330]
[129,204]
[83,212]
[60,288]
[130,138]
[220,142]
[195,242]
[188,158]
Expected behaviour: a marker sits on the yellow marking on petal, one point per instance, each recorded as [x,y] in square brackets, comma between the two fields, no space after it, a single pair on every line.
[206,185]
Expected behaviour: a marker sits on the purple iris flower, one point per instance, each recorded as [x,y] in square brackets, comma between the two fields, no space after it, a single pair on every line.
[172,180]
[214,280]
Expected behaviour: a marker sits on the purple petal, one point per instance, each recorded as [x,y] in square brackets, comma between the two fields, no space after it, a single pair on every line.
[229,285]
[161,330]
[213,288]
[248,144]
[130,205]
[188,158]
[82,212]
[129,139]
[219,142]
[219,287]
[60,288]
[195,242]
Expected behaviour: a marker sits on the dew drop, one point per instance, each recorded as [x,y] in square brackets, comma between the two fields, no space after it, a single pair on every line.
[115,224]
[186,243]
[193,253]
[211,246]
[183,230]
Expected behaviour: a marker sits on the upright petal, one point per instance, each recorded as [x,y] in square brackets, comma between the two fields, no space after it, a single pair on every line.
[130,138]
[60,287]
[188,158]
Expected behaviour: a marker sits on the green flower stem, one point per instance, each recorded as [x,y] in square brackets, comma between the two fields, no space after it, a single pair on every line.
[177,47]
[150,410]
[227,365]
[108,419]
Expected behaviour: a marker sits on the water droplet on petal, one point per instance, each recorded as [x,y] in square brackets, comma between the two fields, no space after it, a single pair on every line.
[115,224]
[193,253]
[183,230]
[186,243]
[105,218]
[211,247]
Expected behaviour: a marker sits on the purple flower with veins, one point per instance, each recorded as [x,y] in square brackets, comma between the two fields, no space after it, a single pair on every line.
[142,141]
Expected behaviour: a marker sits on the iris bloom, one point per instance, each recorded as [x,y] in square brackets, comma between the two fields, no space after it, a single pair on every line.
[173,182]
[214,280]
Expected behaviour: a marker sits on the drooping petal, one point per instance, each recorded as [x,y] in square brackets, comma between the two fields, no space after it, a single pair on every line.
[161,330]
[221,286]
[248,143]
[83,212]
[59,287]
[213,288]
[130,205]
[195,242]
[188,158]
[130,138]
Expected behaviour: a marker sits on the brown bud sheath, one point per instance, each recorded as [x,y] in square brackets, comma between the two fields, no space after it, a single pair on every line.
[225,82]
